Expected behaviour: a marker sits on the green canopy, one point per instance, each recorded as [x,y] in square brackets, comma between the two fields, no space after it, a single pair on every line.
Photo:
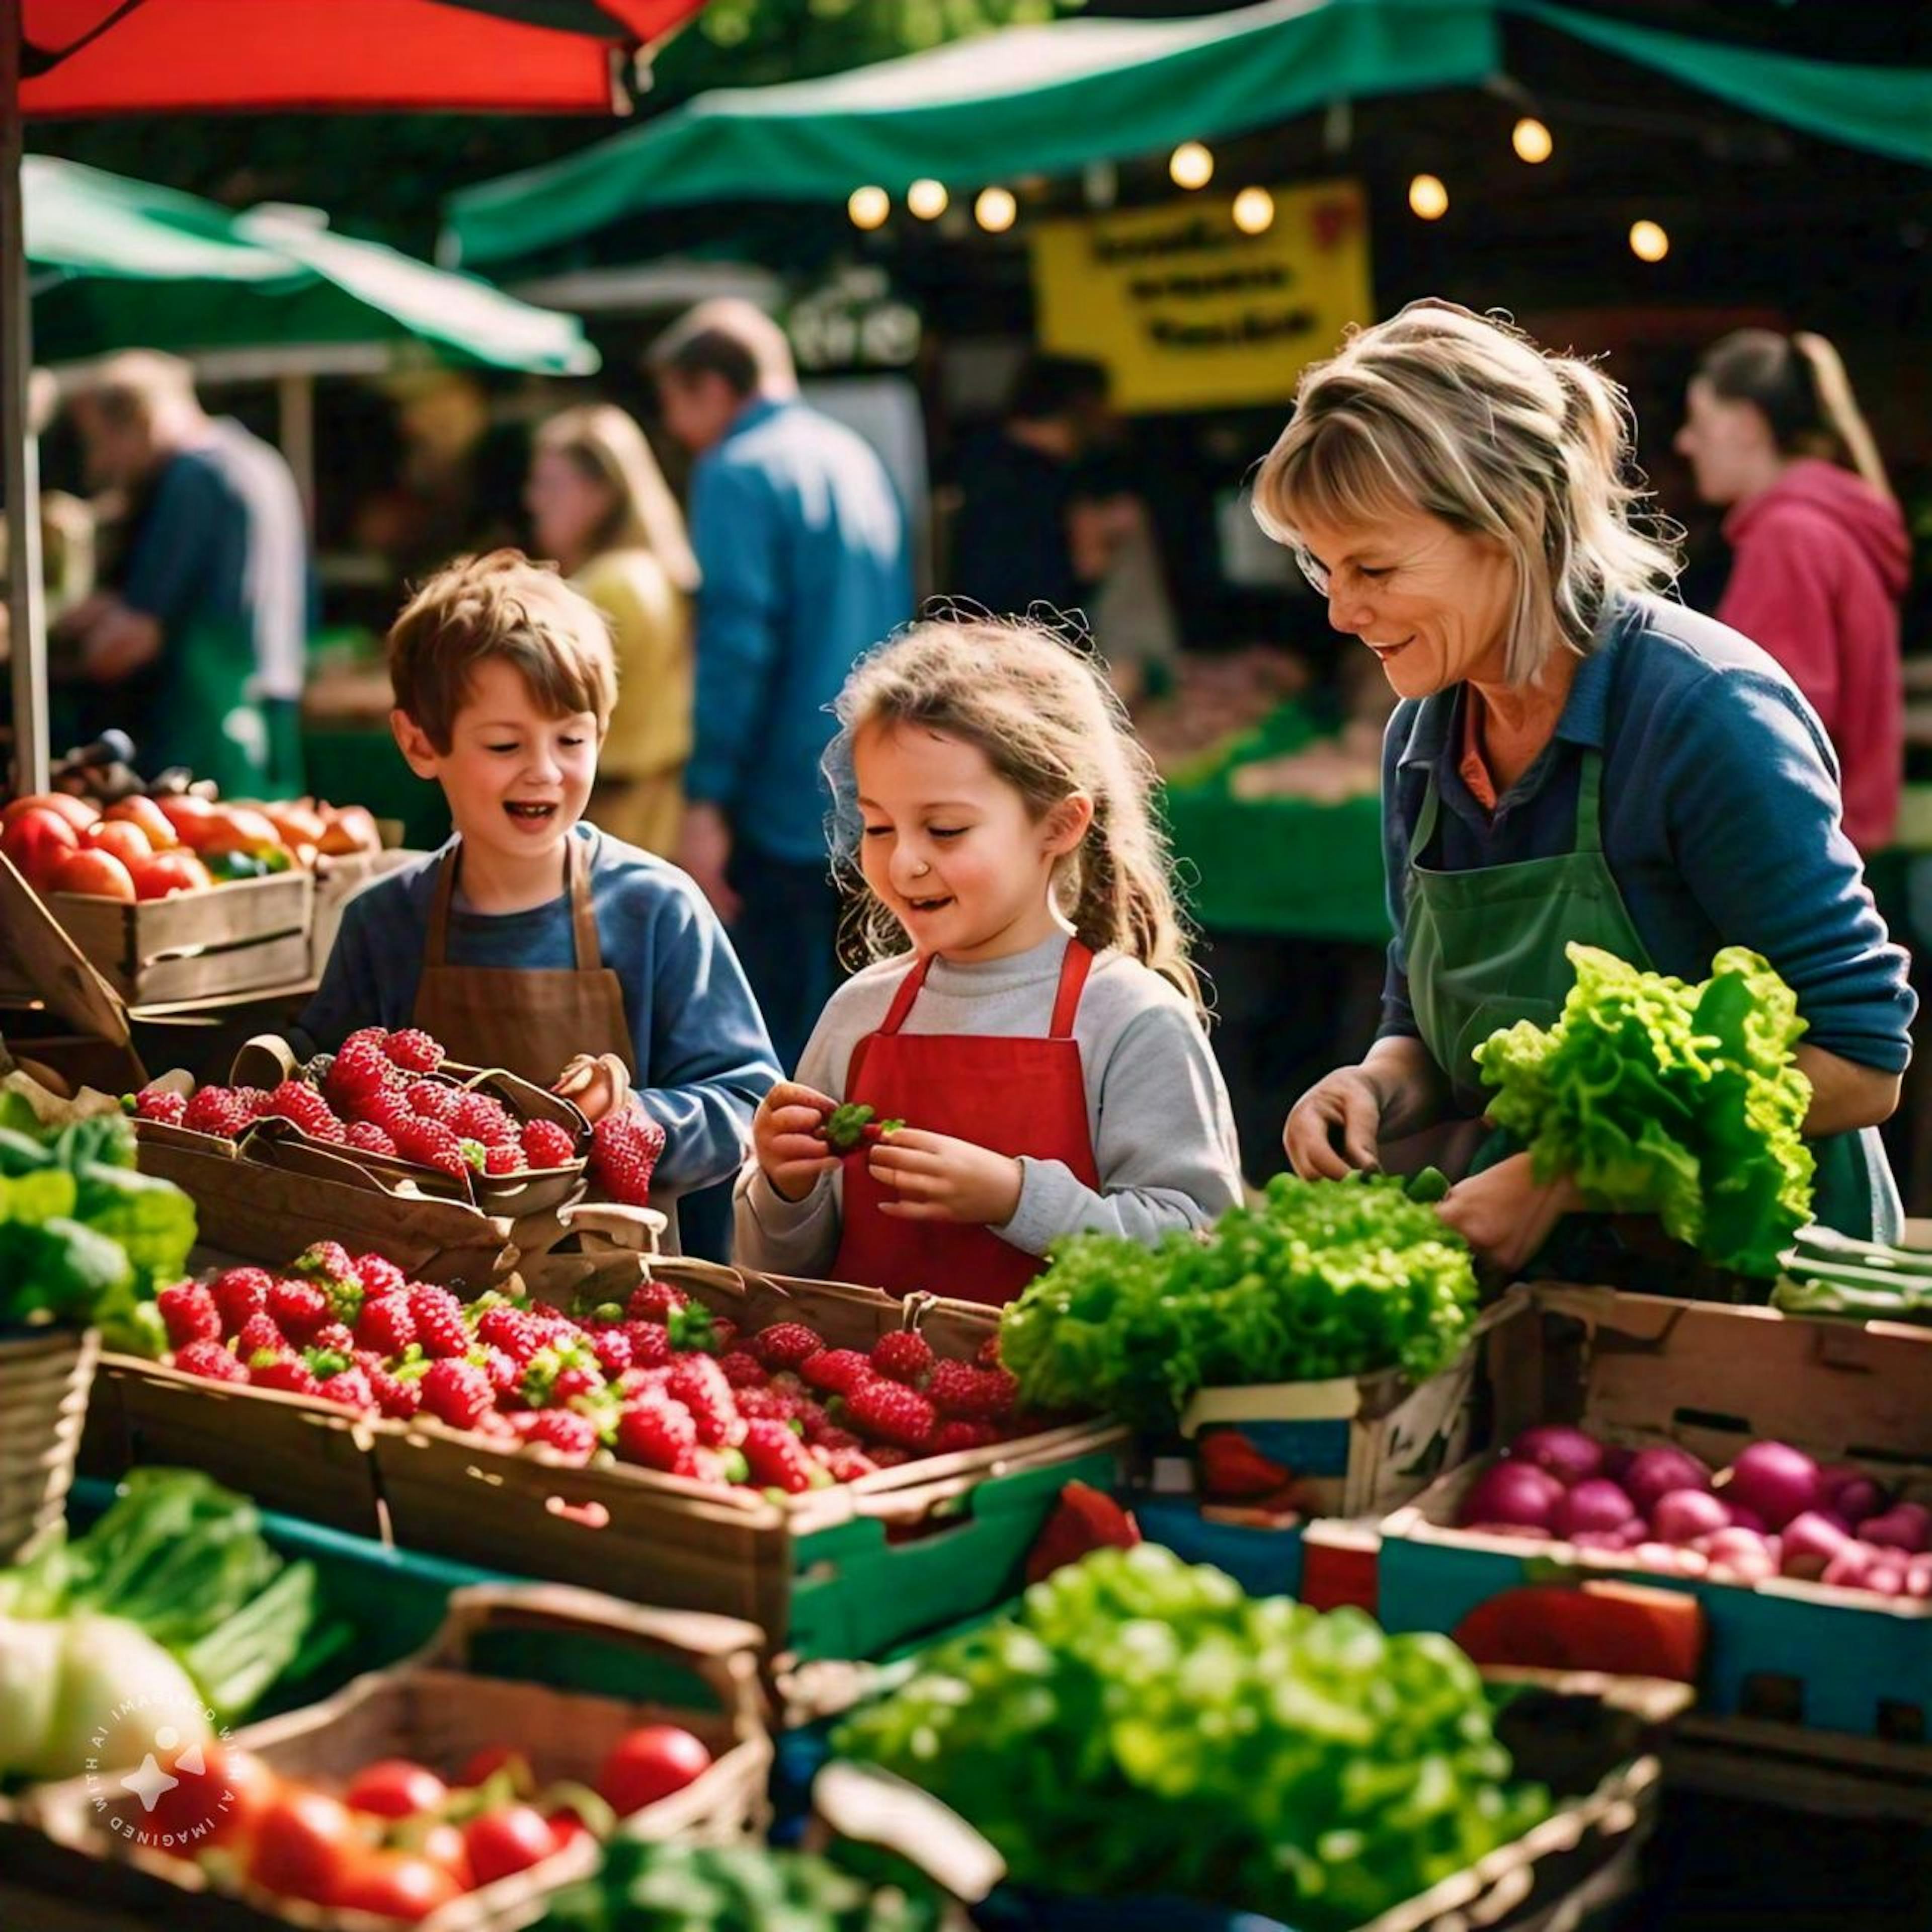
[118,264]
[1051,99]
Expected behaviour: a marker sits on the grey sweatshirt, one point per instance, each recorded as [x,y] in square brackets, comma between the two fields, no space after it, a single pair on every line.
[1163,1131]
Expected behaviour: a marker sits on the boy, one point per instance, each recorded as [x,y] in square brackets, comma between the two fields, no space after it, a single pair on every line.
[496,945]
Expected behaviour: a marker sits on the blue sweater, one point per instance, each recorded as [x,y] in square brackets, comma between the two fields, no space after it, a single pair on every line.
[1720,821]
[703,1061]
[803,543]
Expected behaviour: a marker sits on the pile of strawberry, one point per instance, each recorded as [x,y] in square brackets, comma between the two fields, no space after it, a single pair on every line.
[660,1381]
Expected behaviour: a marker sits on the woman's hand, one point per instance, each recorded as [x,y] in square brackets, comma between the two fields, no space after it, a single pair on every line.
[787,1141]
[596,1083]
[1505,1214]
[937,1178]
[1334,1128]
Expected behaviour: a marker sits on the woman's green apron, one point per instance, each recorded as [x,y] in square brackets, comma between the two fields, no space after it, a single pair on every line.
[1485,948]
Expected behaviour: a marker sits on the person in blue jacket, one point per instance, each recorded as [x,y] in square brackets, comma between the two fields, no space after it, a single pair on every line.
[1573,759]
[532,940]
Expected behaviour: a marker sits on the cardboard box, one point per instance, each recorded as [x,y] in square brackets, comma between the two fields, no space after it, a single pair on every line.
[1788,1656]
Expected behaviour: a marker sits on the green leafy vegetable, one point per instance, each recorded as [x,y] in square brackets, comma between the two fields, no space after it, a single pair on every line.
[1143,1727]
[1659,1097]
[1324,1278]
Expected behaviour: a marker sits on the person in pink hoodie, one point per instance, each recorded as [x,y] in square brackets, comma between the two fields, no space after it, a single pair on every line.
[1820,552]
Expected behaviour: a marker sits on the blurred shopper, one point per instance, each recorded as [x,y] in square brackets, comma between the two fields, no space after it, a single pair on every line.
[802,544]
[601,507]
[197,651]
[1819,549]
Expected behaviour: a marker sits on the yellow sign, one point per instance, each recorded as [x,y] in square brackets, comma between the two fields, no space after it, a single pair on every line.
[1189,313]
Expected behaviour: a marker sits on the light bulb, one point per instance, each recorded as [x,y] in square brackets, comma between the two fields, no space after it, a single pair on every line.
[1191,165]
[1428,199]
[1254,211]
[869,207]
[995,210]
[927,199]
[1649,242]
[1531,139]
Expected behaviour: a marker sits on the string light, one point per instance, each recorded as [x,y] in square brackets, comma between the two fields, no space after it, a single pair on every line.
[995,210]
[927,199]
[1428,199]
[1254,211]
[1191,165]
[1531,139]
[1649,242]
[869,207]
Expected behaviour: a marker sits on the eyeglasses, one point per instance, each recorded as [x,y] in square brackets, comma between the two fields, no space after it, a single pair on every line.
[1312,568]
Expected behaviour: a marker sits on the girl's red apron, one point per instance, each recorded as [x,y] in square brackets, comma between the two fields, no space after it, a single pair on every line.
[1012,1096]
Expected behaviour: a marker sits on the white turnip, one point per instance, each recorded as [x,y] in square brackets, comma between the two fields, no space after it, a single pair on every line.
[1596,1505]
[1564,1453]
[1511,1492]
[1654,1472]
[1905,1526]
[1685,1515]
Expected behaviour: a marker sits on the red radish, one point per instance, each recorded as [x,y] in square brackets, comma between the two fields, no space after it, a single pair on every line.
[1617,1460]
[1742,1553]
[1685,1515]
[1601,1542]
[1564,1453]
[1775,1479]
[500,1842]
[1905,1526]
[1670,1558]
[1594,1505]
[1919,1576]
[1811,1542]
[1524,1532]
[1849,1493]
[1848,1570]
[1513,1492]
[1886,1577]
[1655,1472]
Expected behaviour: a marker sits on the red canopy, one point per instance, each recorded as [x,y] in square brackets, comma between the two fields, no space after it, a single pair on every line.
[170,56]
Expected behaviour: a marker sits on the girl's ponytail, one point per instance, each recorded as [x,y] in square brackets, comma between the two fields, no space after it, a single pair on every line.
[1838,408]
[1799,384]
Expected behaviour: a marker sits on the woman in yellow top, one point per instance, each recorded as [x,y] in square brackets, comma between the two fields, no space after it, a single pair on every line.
[602,509]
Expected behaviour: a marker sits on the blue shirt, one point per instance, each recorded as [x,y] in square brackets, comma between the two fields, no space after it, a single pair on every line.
[1720,821]
[802,540]
[704,1062]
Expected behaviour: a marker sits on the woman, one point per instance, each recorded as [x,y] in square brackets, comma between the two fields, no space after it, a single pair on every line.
[1573,759]
[601,508]
[1819,553]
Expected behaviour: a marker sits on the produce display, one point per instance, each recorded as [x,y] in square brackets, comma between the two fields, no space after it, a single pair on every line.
[1320,1279]
[399,1839]
[1142,1726]
[172,1609]
[660,1381]
[1659,1097]
[84,1238]
[1826,1273]
[1775,1512]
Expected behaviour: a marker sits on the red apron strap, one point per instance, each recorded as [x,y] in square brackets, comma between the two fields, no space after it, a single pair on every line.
[1074,967]
[908,991]
[583,913]
[435,940]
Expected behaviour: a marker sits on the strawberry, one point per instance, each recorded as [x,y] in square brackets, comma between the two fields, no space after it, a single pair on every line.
[502,1160]
[698,1382]
[505,1376]
[431,1144]
[988,1356]
[216,1110]
[477,1116]
[576,1384]
[189,1313]
[812,1418]
[333,1338]
[299,1308]
[973,1395]
[457,1393]
[207,1358]
[160,1103]
[845,1465]
[546,1143]
[361,1069]
[654,1301]
[891,1412]
[413,1051]
[259,1335]
[650,1344]
[379,1275]
[432,1100]
[438,1316]
[349,1387]
[954,1435]
[397,1397]
[573,1438]
[765,1405]
[785,1345]
[888,1455]
[239,1293]
[613,1350]
[367,1138]
[624,1151]
[328,1265]
[1083,1520]
[385,1111]
[283,1371]
[903,1356]
[742,1371]
[658,1432]
[838,1371]
[515,1330]
[723,1333]
[385,1324]
[777,1458]
[296,1102]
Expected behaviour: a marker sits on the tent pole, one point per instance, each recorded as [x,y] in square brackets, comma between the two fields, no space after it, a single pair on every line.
[26,601]
[294,398]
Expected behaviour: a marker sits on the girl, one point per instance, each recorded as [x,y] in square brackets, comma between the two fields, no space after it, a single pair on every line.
[1029,1012]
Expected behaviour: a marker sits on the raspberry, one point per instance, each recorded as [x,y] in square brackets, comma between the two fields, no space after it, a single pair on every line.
[362,1068]
[950,1437]
[614,1353]
[891,1412]
[777,1457]
[547,1144]
[385,1324]
[785,1345]
[379,1275]
[650,1344]
[189,1312]
[573,1438]
[430,1143]
[282,1371]
[477,1117]
[457,1394]
[299,1308]
[838,1371]
[162,1104]
[658,1432]
[413,1051]
[216,1110]
[240,1292]
[742,1371]
[207,1358]
[499,1160]
[367,1138]
[397,1398]
[387,1111]
[438,1316]
[303,1105]
[514,1330]
[655,1301]
[624,1151]
[350,1389]
[972,1395]
[698,1382]
[903,1356]
[259,1335]
[431,1100]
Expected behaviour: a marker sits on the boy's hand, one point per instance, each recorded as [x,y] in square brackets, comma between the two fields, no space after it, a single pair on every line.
[937,1178]
[599,1083]
[785,1138]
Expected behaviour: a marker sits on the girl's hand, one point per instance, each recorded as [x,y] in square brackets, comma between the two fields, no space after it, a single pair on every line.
[937,1178]
[1333,1129]
[599,1083]
[1505,1214]
[785,1138]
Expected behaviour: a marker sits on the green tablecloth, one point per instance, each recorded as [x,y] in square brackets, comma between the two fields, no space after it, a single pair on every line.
[1281,866]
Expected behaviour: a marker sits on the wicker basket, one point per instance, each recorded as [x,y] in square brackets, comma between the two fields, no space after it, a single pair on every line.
[435,1710]
[44,1380]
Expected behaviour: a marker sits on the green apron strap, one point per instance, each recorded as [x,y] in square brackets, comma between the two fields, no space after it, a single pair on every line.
[1589,803]
[1425,822]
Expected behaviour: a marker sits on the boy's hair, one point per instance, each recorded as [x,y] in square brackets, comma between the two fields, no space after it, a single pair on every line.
[1050,725]
[501,605]
[729,337]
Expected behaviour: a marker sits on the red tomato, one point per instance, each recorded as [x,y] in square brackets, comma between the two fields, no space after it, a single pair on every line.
[120,836]
[306,1844]
[482,1765]
[396,1886]
[142,810]
[649,1763]
[443,1845]
[395,1788]
[36,841]
[167,873]
[77,811]
[99,874]
[512,1840]
[220,1803]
